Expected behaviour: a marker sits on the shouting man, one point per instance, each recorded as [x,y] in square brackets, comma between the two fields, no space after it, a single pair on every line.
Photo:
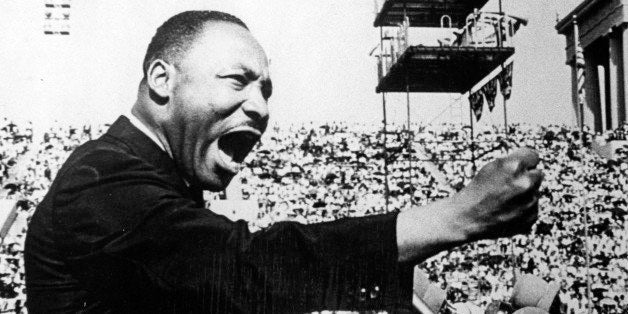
[123,227]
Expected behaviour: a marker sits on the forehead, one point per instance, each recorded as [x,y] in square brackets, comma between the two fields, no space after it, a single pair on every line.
[226,45]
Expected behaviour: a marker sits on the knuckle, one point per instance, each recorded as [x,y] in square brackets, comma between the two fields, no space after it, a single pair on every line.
[512,166]
[524,183]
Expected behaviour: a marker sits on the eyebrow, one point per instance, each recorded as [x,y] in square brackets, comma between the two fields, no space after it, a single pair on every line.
[247,69]
[267,84]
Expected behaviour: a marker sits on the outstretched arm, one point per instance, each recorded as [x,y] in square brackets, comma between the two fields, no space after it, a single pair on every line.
[134,238]
[501,201]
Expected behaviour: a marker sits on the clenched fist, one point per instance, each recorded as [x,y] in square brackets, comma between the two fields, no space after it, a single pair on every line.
[502,197]
[502,200]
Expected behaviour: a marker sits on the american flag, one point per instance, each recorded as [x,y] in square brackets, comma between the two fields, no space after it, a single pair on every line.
[580,74]
[579,62]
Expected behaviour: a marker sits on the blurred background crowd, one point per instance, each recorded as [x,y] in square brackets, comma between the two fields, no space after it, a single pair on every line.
[313,172]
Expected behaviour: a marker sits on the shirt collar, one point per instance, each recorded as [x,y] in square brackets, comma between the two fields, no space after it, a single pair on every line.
[142,127]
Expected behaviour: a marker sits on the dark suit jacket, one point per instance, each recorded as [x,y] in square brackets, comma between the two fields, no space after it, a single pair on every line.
[120,231]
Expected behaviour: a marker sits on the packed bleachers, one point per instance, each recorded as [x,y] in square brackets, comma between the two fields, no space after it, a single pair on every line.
[576,181]
[619,134]
[15,142]
[320,172]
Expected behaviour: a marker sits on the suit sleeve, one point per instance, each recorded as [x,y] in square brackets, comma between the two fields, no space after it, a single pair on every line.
[133,236]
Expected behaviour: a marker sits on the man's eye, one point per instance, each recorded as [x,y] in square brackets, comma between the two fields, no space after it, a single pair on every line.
[238,79]
[267,90]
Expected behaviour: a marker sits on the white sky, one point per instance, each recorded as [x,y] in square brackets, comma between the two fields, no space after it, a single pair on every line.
[318,50]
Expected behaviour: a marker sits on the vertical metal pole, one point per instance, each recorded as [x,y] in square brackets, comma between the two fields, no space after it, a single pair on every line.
[587,255]
[410,138]
[513,256]
[409,129]
[472,135]
[387,189]
[580,98]
[501,21]
[506,131]
[385,121]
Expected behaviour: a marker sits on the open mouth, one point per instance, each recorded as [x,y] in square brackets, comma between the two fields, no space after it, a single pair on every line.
[236,145]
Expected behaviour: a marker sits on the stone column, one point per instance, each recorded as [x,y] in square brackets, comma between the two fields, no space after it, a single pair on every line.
[624,50]
[601,89]
[593,110]
[616,91]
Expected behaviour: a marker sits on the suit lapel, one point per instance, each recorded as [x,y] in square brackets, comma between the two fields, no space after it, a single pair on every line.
[145,148]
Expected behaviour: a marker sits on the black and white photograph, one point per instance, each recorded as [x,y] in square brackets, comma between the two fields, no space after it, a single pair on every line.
[314,156]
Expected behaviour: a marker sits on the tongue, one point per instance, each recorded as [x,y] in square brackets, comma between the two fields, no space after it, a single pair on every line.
[228,150]
[227,155]
[235,145]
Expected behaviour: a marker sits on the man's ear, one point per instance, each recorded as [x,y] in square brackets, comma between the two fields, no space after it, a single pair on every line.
[159,78]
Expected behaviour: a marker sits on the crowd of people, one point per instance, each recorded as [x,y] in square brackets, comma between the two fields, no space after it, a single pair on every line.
[583,209]
[314,173]
[618,134]
[15,141]
[320,172]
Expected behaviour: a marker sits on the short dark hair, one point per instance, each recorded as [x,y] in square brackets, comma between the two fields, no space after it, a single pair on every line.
[176,35]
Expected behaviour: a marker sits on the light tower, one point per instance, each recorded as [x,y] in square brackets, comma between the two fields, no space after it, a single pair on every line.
[477,44]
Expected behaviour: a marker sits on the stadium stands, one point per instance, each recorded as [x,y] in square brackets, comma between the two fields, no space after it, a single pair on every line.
[319,172]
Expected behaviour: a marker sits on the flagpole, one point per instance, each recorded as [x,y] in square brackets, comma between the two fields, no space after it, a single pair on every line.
[472,133]
[579,64]
[501,44]
[587,256]
[505,73]
[506,131]
[385,121]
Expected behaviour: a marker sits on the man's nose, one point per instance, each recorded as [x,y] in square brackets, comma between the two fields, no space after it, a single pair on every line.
[256,106]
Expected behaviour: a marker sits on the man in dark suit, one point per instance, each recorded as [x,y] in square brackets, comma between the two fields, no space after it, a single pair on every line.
[123,227]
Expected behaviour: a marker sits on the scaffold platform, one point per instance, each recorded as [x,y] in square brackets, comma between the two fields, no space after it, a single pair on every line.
[426,13]
[448,69]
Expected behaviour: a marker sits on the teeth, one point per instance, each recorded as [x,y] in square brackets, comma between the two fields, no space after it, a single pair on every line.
[227,159]
[234,147]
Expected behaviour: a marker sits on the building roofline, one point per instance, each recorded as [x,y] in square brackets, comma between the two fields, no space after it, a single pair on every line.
[564,25]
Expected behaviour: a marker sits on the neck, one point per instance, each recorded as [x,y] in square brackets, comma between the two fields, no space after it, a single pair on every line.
[143,111]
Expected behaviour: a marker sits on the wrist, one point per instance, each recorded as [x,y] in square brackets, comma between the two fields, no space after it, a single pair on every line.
[425,231]
[455,229]
[462,229]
